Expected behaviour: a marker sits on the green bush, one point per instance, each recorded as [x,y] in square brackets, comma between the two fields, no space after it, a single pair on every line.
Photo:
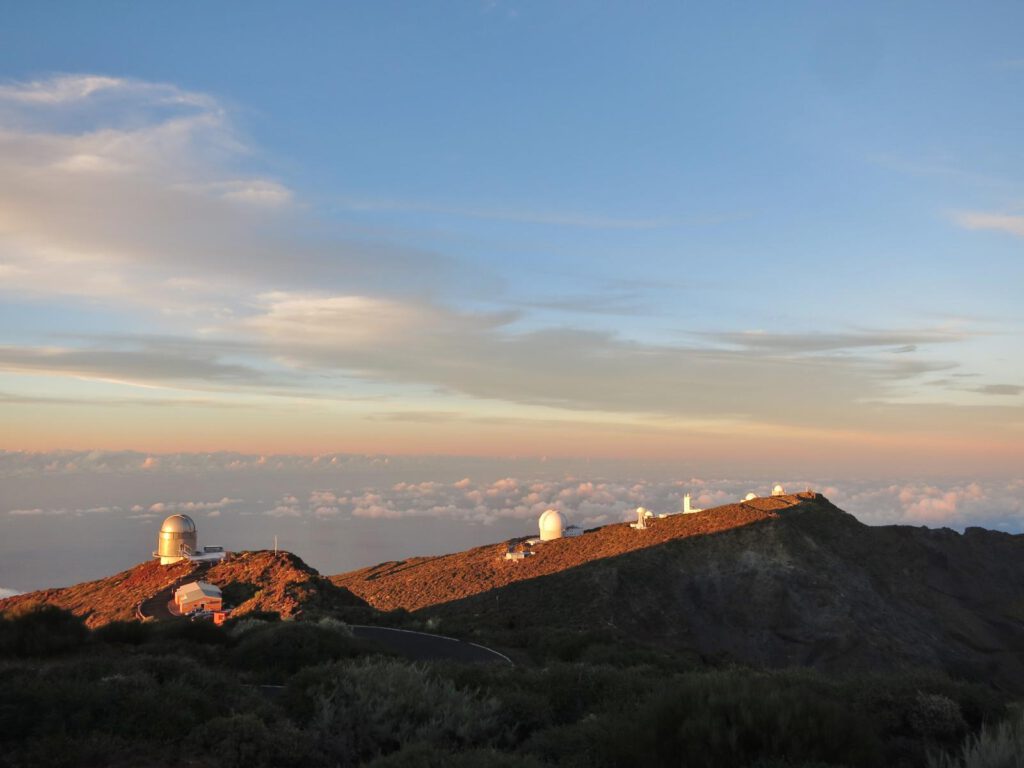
[247,741]
[996,746]
[732,717]
[197,632]
[277,651]
[428,756]
[356,711]
[41,630]
[124,632]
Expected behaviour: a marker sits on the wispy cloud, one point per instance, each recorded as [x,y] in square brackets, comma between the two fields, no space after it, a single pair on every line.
[1012,224]
[902,341]
[72,88]
[139,200]
[1010,390]
[553,218]
[140,366]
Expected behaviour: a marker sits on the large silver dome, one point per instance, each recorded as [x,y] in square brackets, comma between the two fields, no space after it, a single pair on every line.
[177,539]
[178,524]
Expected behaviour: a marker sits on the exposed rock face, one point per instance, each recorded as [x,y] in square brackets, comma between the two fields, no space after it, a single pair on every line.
[798,583]
[281,583]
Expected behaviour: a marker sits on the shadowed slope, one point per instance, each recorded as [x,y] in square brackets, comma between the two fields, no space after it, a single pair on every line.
[811,587]
[420,582]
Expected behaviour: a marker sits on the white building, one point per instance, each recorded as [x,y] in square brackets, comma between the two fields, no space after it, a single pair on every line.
[198,595]
[551,524]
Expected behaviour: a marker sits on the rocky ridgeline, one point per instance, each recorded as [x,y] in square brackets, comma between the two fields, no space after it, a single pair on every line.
[252,581]
[774,582]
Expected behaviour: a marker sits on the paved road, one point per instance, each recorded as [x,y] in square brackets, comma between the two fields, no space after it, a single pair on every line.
[421,646]
[418,646]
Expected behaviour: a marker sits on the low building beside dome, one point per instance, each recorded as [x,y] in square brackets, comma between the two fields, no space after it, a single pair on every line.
[198,596]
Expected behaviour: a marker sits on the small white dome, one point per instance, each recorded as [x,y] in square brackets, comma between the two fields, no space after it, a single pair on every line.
[178,524]
[778,490]
[750,496]
[551,525]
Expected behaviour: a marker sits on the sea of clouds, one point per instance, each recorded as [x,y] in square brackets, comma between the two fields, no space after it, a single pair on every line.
[340,511]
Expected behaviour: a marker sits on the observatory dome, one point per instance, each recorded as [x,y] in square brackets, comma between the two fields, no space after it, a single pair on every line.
[178,524]
[778,490]
[177,539]
[551,525]
[750,497]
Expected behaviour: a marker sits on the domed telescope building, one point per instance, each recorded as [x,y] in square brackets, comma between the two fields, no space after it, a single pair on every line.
[551,524]
[178,540]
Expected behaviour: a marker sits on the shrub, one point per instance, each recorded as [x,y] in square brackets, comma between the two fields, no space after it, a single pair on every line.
[998,746]
[731,717]
[357,711]
[197,632]
[276,651]
[41,630]
[123,632]
[246,741]
[427,756]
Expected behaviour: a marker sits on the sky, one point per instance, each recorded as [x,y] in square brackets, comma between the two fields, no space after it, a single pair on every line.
[740,240]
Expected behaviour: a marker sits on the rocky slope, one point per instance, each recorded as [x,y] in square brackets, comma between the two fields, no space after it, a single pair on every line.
[776,582]
[251,581]
[421,582]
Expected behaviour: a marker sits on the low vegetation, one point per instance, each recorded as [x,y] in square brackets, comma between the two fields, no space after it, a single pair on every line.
[185,693]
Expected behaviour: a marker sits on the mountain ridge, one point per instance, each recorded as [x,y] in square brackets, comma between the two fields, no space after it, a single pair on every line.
[772,582]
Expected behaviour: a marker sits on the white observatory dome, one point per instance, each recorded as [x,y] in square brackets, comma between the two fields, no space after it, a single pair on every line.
[750,497]
[778,490]
[177,539]
[551,525]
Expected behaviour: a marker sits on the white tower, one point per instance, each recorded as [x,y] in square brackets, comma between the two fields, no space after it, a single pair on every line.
[551,524]
[687,509]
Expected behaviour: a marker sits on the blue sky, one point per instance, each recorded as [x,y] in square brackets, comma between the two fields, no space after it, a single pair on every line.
[500,227]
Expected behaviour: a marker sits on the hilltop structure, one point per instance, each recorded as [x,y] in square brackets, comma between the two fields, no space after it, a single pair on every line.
[687,509]
[179,540]
[551,524]
[198,596]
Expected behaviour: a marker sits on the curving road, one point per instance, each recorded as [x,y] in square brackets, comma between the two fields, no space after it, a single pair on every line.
[418,646]
[421,646]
